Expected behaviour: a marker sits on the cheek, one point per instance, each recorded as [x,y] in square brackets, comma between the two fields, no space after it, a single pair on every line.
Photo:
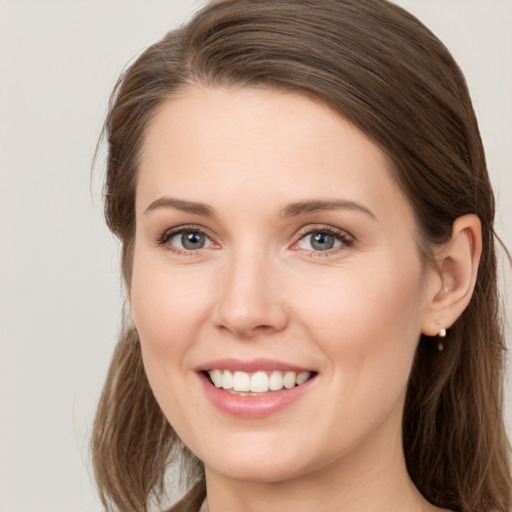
[165,316]
[166,304]
[368,323]
[166,307]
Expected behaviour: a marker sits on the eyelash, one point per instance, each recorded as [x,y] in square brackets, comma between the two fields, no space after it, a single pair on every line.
[346,240]
[340,235]
[163,239]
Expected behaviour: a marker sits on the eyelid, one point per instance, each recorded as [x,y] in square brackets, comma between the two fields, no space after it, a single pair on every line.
[347,240]
[162,240]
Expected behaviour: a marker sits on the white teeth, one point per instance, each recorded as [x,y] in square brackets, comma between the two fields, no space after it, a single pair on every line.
[216,376]
[257,382]
[275,381]
[241,381]
[289,380]
[302,377]
[227,380]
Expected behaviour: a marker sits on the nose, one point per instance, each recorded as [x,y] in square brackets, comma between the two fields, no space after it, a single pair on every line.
[250,301]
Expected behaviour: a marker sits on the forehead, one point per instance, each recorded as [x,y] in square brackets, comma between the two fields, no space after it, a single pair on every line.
[259,146]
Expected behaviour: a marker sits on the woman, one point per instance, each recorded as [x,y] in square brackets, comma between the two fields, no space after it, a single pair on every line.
[306,217]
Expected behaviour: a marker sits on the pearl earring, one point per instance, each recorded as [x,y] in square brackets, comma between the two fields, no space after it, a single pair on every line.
[441,334]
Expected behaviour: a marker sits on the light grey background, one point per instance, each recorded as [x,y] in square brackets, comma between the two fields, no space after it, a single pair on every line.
[60,295]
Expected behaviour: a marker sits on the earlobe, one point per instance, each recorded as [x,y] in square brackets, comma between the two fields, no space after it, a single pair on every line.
[457,267]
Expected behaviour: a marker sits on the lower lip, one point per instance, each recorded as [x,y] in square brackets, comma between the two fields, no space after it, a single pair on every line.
[253,406]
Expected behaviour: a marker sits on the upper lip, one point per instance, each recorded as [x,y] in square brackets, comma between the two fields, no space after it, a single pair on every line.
[249,366]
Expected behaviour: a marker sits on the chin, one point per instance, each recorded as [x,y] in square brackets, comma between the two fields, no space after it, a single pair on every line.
[258,471]
[259,461]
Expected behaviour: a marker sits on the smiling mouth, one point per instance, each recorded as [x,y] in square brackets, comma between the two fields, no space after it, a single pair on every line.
[256,383]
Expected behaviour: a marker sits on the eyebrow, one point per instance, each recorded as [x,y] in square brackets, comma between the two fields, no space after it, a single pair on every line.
[179,204]
[301,207]
[291,210]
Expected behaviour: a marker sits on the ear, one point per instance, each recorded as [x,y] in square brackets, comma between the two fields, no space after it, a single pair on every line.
[451,284]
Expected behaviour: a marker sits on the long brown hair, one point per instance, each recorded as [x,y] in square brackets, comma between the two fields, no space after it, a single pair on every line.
[380,68]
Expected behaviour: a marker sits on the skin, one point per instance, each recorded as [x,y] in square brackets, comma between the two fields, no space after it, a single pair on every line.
[259,289]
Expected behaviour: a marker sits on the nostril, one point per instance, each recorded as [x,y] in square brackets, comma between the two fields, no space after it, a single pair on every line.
[245,332]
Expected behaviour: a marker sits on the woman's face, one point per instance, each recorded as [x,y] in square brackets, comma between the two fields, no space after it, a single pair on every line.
[273,246]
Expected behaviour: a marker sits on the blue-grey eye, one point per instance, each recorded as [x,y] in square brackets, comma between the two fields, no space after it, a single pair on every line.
[189,240]
[322,241]
[319,241]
